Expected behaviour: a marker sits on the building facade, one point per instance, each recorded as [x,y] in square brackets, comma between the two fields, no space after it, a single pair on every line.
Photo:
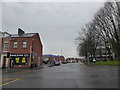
[23,50]
[62,58]
[3,54]
[48,59]
[51,59]
[102,54]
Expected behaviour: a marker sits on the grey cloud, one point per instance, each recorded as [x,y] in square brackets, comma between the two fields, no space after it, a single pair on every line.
[57,23]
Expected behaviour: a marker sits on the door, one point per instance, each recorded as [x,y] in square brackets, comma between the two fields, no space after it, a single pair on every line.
[4,61]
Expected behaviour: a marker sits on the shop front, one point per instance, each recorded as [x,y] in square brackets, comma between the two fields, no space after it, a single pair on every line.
[19,60]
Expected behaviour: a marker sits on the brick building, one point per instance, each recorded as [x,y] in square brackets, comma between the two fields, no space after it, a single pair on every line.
[51,58]
[72,59]
[48,58]
[3,54]
[62,58]
[23,49]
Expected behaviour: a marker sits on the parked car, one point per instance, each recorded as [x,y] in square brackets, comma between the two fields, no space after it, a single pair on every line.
[73,62]
[45,62]
[57,62]
[68,62]
[64,62]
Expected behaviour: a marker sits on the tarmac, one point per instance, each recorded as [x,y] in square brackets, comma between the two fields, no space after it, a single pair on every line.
[13,70]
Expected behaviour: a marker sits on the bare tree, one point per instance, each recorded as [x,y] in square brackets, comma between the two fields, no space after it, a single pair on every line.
[108,22]
[105,27]
[89,42]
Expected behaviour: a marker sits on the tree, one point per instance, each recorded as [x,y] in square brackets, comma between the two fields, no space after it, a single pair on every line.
[105,28]
[108,19]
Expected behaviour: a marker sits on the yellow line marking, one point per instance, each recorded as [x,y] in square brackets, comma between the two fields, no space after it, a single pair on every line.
[6,79]
[10,82]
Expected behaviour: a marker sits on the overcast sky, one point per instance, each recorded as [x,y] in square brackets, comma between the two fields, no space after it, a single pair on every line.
[57,23]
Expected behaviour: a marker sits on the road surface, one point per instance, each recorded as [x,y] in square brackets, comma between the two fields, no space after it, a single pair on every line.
[71,75]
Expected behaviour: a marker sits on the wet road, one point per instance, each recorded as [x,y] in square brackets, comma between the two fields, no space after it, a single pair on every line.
[71,75]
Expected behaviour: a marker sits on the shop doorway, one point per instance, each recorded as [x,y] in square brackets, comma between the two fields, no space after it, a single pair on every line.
[4,62]
[12,63]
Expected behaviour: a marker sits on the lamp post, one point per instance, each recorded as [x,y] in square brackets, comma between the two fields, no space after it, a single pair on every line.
[31,54]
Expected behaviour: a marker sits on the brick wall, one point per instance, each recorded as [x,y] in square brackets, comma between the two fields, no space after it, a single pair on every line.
[37,48]
[32,42]
[20,49]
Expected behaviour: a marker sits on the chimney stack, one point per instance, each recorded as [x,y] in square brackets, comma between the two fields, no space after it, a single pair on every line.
[20,32]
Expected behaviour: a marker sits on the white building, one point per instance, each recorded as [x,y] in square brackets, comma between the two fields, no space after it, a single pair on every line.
[103,54]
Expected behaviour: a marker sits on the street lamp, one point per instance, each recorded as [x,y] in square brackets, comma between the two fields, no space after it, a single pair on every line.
[31,54]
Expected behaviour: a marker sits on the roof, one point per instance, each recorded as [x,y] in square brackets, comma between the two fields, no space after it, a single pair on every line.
[4,34]
[23,35]
[49,55]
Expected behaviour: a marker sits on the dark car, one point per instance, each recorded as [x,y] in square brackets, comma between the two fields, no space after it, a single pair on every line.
[73,61]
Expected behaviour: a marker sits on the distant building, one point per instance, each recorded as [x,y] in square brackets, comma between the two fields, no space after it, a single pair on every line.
[103,54]
[62,58]
[73,59]
[50,59]
[23,49]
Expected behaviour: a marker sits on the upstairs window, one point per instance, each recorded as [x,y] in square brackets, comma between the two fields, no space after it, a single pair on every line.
[15,44]
[24,44]
[5,47]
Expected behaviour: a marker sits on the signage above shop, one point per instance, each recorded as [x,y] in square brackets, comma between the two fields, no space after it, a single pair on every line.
[19,55]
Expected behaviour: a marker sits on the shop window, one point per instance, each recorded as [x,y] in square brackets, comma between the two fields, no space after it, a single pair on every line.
[24,44]
[17,61]
[20,61]
[23,60]
[15,44]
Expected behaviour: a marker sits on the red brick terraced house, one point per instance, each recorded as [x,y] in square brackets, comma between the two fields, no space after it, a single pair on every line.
[3,51]
[24,49]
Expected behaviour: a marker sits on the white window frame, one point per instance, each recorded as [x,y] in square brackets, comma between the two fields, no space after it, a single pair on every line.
[24,44]
[4,50]
[15,44]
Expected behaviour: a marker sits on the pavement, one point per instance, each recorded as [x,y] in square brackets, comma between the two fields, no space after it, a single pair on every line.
[15,70]
[71,75]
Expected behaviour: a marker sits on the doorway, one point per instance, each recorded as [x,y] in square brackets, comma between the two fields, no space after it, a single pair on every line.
[4,62]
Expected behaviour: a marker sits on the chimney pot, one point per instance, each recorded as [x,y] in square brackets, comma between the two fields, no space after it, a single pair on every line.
[20,32]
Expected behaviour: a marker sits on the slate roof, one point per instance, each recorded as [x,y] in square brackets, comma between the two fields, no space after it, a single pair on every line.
[49,55]
[23,35]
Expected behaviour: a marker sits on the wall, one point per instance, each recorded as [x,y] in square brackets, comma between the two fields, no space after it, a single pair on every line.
[37,48]
[19,49]
[32,42]
[4,53]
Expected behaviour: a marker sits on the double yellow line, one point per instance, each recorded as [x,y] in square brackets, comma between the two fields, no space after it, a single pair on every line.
[13,80]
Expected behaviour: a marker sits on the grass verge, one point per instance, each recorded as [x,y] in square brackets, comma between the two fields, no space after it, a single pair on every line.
[107,63]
